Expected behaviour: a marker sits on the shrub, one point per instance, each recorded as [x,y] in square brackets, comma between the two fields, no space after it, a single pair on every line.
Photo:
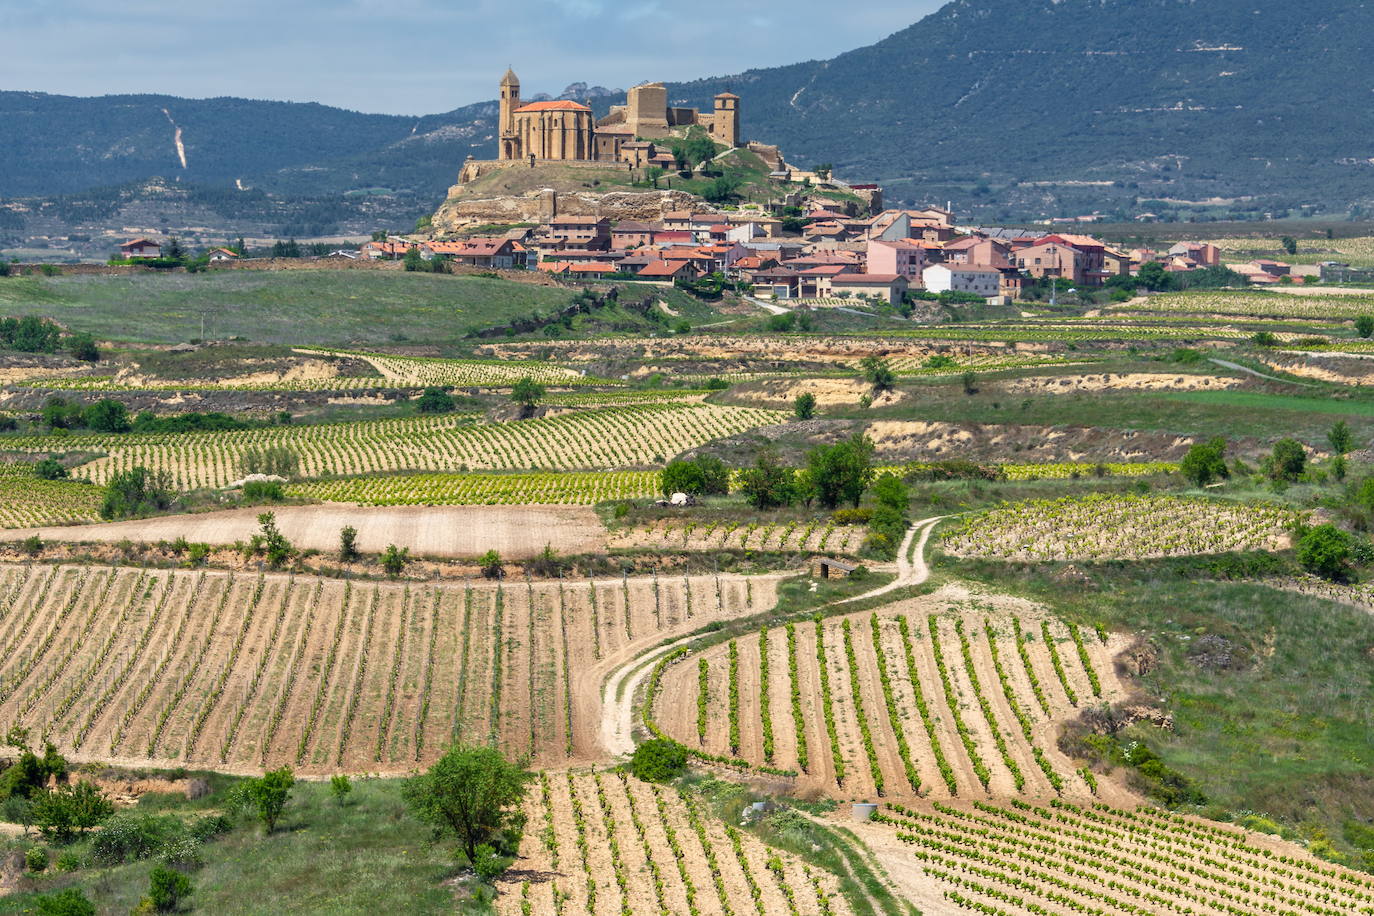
[108,416]
[658,760]
[877,373]
[36,859]
[435,400]
[769,484]
[167,888]
[339,787]
[1326,551]
[68,860]
[50,469]
[527,393]
[274,461]
[1288,460]
[704,476]
[263,491]
[474,794]
[348,544]
[490,562]
[32,545]
[804,406]
[68,902]
[82,347]
[1364,326]
[135,492]
[394,560]
[69,810]
[1205,462]
[265,796]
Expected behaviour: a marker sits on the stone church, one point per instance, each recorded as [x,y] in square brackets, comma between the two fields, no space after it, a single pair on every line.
[567,131]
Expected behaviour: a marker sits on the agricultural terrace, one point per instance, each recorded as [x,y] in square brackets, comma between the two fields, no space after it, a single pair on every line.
[244,672]
[26,502]
[415,372]
[1014,858]
[1254,304]
[563,488]
[948,695]
[814,535]
[609,843]
[1119,527]
[612,437]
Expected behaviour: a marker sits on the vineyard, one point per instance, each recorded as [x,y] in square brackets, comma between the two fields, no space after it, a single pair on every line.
[1119,527]
[1016,858]
[246,671]
[27,502]
[1254,304]
[416,371]
[568,488]
[605,843]
[613,437]
[946,696]
[815,535]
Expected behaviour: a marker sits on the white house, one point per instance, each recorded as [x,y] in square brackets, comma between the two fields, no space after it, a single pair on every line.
[963,278]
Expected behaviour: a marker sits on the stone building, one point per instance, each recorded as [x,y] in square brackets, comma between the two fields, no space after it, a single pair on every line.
[565,131]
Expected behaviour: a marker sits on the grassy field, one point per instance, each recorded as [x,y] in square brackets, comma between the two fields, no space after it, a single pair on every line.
[323,308]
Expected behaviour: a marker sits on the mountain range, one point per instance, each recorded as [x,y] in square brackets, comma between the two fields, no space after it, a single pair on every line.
[1012,109]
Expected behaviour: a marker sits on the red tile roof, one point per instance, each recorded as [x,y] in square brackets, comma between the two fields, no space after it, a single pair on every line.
[553,106]
[866,279]
[662,269]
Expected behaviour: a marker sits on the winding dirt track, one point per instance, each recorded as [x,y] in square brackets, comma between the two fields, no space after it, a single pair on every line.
[618,693]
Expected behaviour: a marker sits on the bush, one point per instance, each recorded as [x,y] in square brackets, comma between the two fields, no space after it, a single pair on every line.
[339,787]
[108,416]
[348,544]
[167,888]
[68,902]
[32,545]
[768,484]
[29,334]
[135,492]
[263,491]
[658,760]
[841,472]
[1205,462]
[50,469]
[804,406]
[704,476]
[82,347]
[1288,460]
[274,461]
[394,560]
[36,859]
[1364,326]
[435,400]
[491,565]
[265,796]
[860,516]
[69,810]
[68,861]
[1326,551]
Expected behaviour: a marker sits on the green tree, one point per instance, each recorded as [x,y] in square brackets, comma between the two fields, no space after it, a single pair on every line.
[841,472]
[804,406]
[394,560]
[435,400]
[887,527]
[1326,551]
[1154,277]
[768,484]
[69,810]
[1288,460]
[340,787]
[652,174]
[348,544]
[50,469]
[1289,244]
[704,476]
[59,413]
[108,416]
[167,888]
[1340,437]
[527,393]
[266,796]
[473,794]
[82,347]
[270,542]
[5,265]
[722,190]
[137,491]
[66,902]
[1205,462]
[658,760]
[878,373]
[490,562]
[413,261]
[970,380]
[1364,325]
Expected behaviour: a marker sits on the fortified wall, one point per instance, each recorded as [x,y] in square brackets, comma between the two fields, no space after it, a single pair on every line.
[457,213]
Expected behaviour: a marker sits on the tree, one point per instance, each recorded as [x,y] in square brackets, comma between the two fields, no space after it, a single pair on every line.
[273,460]
[1205,462]
[652,174]
[970,380]
[1364,325]
[50,469]
[348,544]
[1289,244]
[435,400]
[491,565]
[137,491]
[474,794]
[703,476]
[413,261]
[527,393]
[5,265]
[394,560]
[1154,277]
[1288,461]
[768,484]
[722,190]
[340,787]
[82,347]
[1326,551]
[59,413]
[804,406]
[69,810]
[266,796]
[108,416]
[841,472]
[1340,437]
[167,888]
[658,760]
[174,250]
[67,902]
[877,373]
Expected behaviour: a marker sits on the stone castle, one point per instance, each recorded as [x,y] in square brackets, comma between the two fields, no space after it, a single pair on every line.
[566,131]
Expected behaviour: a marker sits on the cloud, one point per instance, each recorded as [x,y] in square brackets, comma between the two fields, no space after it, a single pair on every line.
[419,57]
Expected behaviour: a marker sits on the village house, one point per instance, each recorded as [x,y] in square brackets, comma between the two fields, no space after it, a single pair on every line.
[904,257]
[220,255]
[964,278]
[669,271]
[140,248]
[490,253]
[630,234]
[581,231]
[889,288]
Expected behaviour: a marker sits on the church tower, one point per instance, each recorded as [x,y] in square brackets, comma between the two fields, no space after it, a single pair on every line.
[726,120]
[507,140]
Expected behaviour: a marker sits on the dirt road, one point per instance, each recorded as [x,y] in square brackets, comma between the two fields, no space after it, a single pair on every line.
[515,532]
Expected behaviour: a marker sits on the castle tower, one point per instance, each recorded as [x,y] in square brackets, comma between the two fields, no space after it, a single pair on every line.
[510,100]
[726,121]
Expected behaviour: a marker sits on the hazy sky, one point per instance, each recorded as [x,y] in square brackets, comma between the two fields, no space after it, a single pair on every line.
[415,56]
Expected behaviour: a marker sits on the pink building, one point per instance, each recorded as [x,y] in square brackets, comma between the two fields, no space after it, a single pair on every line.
[904,257]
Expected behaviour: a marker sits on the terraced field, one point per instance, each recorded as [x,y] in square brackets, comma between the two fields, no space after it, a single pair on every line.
[27,502]
[242,672]
[815,535]
[602,842]
[952,695]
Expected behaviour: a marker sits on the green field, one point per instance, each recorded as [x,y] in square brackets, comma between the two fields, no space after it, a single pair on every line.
[319,307]
[1253,400]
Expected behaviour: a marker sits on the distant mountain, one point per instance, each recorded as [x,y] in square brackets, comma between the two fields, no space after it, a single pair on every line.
[1010,108]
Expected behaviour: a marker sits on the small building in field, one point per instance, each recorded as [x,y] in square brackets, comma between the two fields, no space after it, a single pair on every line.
[140,248]
[220,255]
[890,288]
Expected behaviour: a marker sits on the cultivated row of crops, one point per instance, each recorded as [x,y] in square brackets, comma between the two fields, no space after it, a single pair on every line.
[1259,304]
[1020,858]
[816,534]
[26,502]
[1118,527]
[418,371]
[216,669]
[607,438]
[962,702]
[565,488]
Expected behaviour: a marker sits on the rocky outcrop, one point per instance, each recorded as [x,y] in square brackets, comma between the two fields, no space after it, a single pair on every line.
[459,211]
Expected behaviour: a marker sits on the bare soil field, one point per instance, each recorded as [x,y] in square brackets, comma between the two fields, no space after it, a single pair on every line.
[247,672]
[588,831]
[516,532]
[1120,381]
[1351,370]
[899,758]
[828,392]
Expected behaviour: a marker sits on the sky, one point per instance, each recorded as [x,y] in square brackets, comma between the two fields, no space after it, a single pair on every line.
[418,56]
